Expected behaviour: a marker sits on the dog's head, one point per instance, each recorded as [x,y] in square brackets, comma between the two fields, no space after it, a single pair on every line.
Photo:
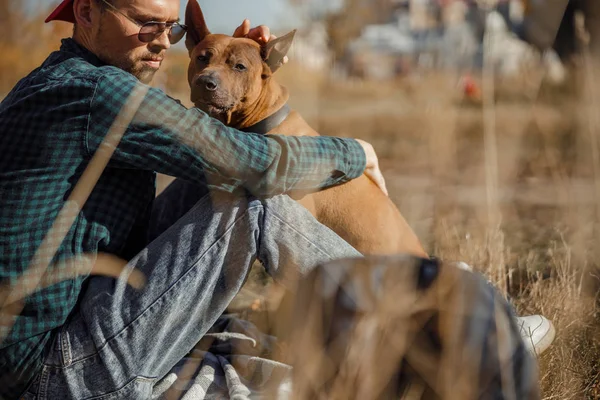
[227,74]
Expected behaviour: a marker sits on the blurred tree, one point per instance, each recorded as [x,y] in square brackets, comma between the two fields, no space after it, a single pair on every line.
[26,40]
[9,13]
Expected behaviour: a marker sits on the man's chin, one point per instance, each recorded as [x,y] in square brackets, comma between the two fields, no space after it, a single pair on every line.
[147,76]
[144,74]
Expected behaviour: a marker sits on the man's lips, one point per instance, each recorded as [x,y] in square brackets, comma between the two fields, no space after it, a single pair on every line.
[153,62]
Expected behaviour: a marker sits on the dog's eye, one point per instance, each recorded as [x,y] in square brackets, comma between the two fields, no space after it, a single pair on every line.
[203,58]
[240,67]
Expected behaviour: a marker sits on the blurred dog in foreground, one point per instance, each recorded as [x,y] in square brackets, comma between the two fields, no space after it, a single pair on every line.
[405,327]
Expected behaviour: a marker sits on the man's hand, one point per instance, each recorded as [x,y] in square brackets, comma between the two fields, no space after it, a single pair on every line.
[372,169]
[261,34]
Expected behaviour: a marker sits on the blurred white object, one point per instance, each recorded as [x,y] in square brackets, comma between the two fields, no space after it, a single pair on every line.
[510,55]
[310,48]
[516,11]
[555,70]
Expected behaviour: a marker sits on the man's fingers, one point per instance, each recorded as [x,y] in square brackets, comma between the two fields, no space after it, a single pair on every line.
[382,185]
[243,29]
[260,34]
[372,170]
[377,177]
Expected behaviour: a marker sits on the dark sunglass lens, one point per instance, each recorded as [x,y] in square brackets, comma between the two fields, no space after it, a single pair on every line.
[146,37]
[176,34]
[149,31]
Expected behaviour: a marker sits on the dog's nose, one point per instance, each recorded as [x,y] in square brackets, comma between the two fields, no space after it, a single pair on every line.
[208,82]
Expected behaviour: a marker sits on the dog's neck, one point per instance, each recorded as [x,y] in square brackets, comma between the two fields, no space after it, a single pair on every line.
[272,98]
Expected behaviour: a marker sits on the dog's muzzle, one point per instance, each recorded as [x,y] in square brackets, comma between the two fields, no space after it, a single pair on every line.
[208,82]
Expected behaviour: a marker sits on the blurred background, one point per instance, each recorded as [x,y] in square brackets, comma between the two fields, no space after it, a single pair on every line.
[485,114]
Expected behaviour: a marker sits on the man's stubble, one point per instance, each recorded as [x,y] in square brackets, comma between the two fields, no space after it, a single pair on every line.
[128,62]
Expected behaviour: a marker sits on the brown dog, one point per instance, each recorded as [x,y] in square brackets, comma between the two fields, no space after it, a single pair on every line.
[232,80]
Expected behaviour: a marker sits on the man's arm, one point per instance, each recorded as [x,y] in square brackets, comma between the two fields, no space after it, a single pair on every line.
[166,137]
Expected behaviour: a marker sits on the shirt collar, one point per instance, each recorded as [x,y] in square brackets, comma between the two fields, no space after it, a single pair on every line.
[71,46]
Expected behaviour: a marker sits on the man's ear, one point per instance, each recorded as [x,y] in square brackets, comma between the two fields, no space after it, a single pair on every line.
[196,26]
[82,9]
[275,50]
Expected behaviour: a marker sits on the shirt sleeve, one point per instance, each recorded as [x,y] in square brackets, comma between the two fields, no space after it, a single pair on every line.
[166,137]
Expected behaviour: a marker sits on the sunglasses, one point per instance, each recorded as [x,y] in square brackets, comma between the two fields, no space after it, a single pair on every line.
[151,30]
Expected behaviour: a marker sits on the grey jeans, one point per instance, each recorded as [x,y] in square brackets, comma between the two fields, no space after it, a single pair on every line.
[121,340]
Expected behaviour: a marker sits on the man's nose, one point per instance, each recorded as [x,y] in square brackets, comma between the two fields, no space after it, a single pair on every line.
[208,81]
[161,42]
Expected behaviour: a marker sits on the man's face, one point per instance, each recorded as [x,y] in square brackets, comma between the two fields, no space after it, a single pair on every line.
[116,36]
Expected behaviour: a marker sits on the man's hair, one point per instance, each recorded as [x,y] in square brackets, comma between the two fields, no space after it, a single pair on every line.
[103,4]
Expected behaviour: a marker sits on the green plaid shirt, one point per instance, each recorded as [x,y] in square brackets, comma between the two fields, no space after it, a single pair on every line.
[53,122]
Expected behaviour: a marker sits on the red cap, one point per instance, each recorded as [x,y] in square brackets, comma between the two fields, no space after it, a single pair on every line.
[64,12]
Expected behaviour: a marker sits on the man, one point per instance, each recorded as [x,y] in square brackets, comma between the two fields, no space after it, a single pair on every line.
[67,112]
[82,139]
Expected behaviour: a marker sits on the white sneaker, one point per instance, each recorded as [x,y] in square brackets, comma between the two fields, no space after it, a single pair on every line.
[537,332]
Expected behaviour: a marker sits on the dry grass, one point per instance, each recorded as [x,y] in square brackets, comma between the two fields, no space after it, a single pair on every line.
[536,239]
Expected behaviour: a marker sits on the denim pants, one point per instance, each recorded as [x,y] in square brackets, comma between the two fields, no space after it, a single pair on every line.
[121,340]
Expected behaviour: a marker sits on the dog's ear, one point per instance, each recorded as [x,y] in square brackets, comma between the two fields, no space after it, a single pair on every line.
[196,26]
[275,50]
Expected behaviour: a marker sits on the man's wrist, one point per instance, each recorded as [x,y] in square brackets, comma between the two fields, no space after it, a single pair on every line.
[356,159]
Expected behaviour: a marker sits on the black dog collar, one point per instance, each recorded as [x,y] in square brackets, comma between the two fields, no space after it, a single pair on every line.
[271,122]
